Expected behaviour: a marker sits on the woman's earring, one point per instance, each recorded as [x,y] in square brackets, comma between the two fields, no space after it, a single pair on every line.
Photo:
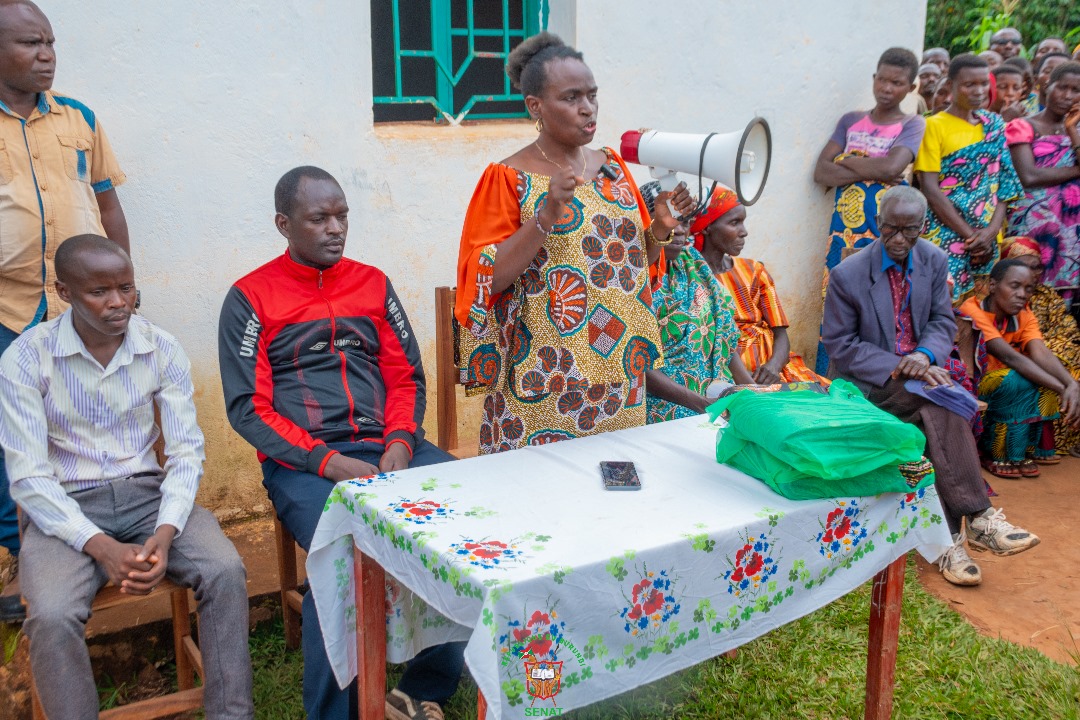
[539,124]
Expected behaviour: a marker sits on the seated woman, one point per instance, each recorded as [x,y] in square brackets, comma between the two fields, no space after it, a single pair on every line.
[697,328]
[719,233]
[1021,382]
[1058,328]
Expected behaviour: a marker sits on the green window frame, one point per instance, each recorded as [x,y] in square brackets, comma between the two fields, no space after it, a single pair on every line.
[453,51]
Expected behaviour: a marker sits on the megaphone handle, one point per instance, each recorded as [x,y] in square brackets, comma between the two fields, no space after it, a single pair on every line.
[669,180]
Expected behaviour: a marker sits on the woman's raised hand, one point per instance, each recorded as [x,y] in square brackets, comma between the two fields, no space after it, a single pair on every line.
[681,200]
[561,188]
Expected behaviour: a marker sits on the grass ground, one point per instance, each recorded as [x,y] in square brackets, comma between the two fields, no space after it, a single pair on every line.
[812,668]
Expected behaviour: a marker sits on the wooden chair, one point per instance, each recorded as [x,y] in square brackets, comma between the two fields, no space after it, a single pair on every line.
[188,657]
[447,376]
[291,599]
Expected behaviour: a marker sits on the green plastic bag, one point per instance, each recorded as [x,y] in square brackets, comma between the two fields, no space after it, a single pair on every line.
[805,445]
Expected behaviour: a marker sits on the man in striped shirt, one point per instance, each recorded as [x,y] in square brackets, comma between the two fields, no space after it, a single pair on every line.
[77,395]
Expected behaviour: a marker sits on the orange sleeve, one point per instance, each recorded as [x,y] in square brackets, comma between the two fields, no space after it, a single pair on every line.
[658,268]
[493,215]
[768,301]
[982,320]
[1029,329]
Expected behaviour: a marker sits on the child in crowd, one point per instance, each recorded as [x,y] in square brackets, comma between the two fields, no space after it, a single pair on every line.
[1030,99]
[1043,70]
[1009,102]
[867,153]
[967,175]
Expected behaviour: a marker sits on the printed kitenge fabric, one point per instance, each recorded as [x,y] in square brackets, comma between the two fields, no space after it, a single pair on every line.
[974,179]
[855,208]
[562,352]
[697,328]
[1063,338]
[854,225]
[1018,416]
[1050,215]
[757,312]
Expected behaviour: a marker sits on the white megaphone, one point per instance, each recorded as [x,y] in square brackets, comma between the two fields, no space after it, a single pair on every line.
[739,160]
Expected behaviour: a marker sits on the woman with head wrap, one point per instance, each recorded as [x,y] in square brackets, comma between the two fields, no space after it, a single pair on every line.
[719,233]
[697,329]
[1058,327]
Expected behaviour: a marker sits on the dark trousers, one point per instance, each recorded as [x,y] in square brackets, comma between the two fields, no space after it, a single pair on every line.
[9,524]
[950,446]
[298,499]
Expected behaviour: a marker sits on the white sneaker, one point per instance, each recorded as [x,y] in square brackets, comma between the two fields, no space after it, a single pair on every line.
[991,532]
[957,566]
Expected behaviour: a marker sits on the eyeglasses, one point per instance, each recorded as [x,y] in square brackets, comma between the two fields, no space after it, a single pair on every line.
[1006,41]
[909,231]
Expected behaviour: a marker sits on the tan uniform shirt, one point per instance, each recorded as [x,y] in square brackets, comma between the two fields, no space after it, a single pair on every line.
[52,165]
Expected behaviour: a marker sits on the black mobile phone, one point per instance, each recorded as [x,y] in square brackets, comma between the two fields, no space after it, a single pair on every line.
[620,475]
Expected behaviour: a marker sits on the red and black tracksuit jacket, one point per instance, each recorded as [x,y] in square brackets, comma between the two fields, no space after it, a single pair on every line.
[311,357]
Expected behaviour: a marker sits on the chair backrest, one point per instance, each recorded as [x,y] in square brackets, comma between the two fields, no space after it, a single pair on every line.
[447,376]
[847,252]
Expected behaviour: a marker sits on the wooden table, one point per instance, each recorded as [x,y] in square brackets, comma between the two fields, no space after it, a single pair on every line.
[476,552]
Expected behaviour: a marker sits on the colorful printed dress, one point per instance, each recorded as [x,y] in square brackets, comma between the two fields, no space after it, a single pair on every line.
[975,179]
[1050,215]
[1019,413]
[855,208]
[1063,339]
[697,327]
[757,312]
[562,352]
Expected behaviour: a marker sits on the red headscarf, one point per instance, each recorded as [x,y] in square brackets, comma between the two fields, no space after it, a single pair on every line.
[1020,245]
[722,200]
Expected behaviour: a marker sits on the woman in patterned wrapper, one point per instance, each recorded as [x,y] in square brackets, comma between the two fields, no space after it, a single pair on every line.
[555,270]
[697,327]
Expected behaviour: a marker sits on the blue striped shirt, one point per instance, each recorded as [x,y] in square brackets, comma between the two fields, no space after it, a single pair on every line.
[68,424]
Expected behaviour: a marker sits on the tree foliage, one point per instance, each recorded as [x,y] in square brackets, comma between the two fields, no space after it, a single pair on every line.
[966,25]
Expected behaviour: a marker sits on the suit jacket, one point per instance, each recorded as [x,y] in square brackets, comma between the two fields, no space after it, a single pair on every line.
[859,326]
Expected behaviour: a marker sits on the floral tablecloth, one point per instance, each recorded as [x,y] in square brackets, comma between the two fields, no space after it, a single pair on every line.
[568,593]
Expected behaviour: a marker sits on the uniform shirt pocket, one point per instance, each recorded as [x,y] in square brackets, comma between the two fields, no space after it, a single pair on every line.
[76,152]
[7,171]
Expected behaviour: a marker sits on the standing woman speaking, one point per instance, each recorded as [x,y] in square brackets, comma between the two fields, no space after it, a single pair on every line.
[554,275]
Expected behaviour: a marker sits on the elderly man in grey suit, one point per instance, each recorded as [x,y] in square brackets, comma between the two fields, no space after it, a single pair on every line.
[888,320]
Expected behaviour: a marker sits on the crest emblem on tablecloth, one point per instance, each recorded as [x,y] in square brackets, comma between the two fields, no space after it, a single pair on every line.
[543,678]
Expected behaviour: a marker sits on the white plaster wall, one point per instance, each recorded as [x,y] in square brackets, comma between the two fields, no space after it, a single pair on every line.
[208,103]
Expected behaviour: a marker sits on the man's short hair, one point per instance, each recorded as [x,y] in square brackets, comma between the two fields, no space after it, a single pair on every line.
[287,187]
[1006,69]
[901,58]
[1066,68]
[68,256]
[1047,56]
[1019,62]
[965,61]
[904,195]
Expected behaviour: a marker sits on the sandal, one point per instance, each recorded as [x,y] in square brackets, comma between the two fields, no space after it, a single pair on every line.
[1028,468]
[1002,469]
[1047,459]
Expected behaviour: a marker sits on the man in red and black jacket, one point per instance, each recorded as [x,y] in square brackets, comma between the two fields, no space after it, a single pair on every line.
[322,374]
